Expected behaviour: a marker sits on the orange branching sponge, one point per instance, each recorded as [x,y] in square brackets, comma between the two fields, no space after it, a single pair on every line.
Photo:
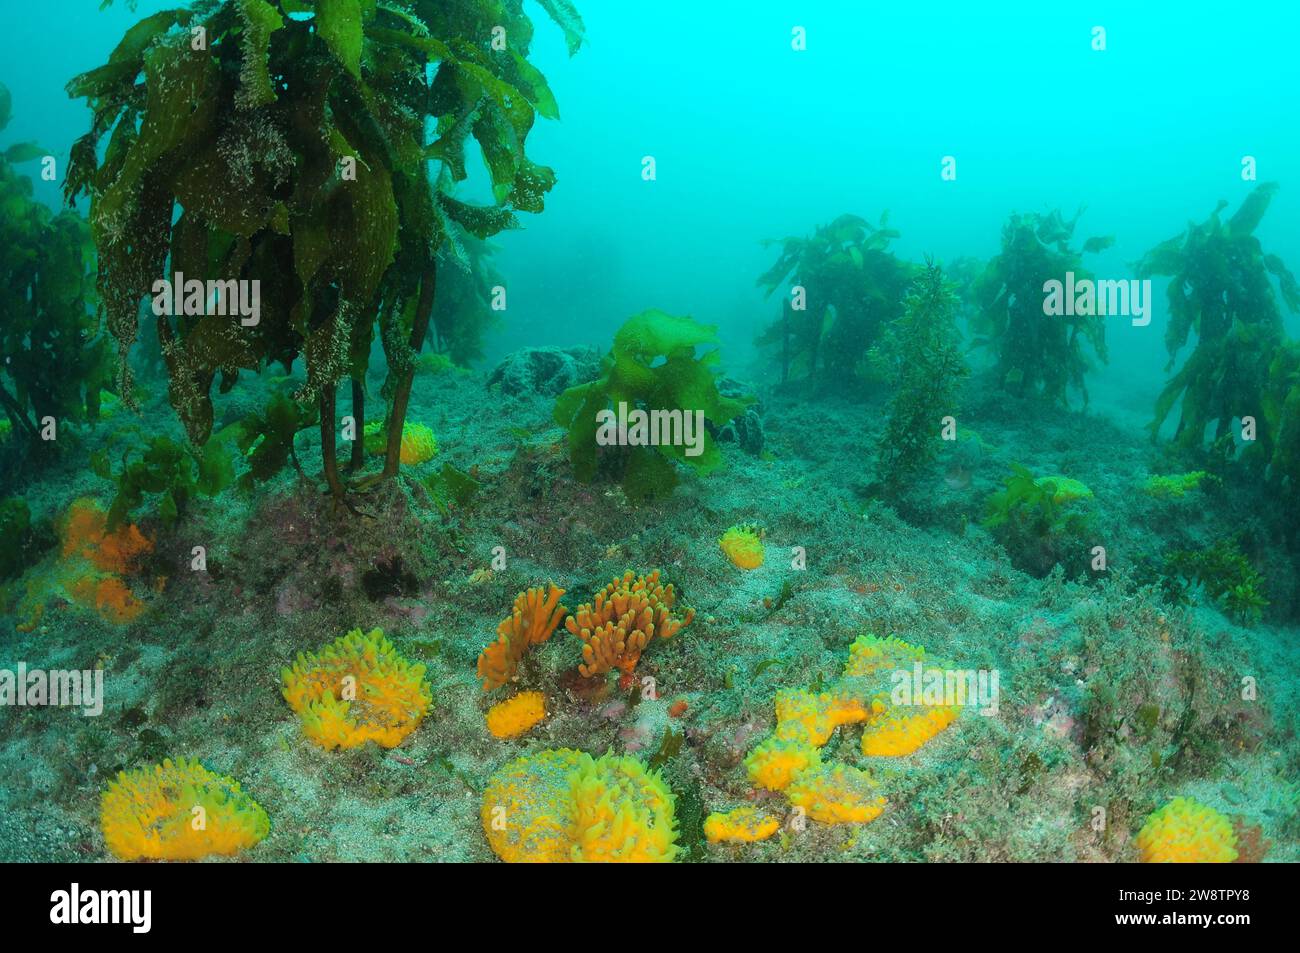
[514,716]
[537,613]
[621,620]
[741,825]
[566,806]
[357,689]
[837,795]
[178,811]
[1187,832]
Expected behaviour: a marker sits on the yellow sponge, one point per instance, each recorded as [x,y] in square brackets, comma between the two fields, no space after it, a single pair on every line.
[1187,832]
[743,547]
[837,795]
[514,716]
[178,811]
[742,825]
[901,731]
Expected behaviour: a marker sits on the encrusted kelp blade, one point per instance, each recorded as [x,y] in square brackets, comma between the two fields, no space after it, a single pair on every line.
[284,144]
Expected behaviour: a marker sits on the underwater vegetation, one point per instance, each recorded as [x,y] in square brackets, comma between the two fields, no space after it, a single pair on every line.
[652,371]
[290,151]
[323,149]
[1041,521]
[463,304]
[846,288]
[1220,290]
[1281,405]
[22,542]
[926,368]
[1225,574]
[56,360]
[172,472]
[1037,357]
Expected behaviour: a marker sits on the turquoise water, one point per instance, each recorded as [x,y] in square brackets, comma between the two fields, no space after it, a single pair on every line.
[1125,675]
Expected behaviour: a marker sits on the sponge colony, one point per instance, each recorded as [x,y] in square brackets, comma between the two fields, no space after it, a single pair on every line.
[566,806]
[151,813]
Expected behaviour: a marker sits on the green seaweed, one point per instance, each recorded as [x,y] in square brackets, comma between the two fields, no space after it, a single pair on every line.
[652,367]
[669,747]
[449,487]
[925,368]
[1281,408]
[171,472]
[1040,521]
[22,541]
[1224,573]
[266,438]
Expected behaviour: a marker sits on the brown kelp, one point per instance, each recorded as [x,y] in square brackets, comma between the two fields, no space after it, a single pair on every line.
[852,288]
[284,143]
[1220,289]
[921,348]
[1037,355]
[56,359]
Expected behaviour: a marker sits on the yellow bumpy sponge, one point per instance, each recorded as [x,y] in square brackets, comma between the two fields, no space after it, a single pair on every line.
[1187,832]
[837,794]
[566,806]
[419,445]
[741,825]
[743,547]
[514,716]
[357,689]
[902,731]
[178,811]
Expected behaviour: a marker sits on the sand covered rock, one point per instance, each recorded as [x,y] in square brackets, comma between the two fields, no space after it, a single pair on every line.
[545,371]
